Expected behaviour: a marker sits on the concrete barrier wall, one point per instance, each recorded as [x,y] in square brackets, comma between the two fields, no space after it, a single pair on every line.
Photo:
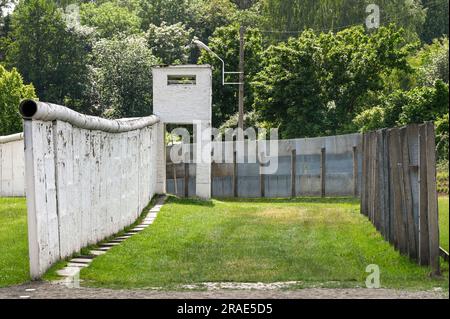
[342,169]
[84,184]
[12,166]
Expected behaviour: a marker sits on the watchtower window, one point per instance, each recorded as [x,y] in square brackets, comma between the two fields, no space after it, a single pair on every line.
[181,80]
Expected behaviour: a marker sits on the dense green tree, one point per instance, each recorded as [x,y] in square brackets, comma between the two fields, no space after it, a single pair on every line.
[47,53]
[436,23]
[12,91]
[109,19]
[120,77]
[405,107]
[170,43]
[225,43]
[169,11]
[326,15]
[316,84]
[432,62]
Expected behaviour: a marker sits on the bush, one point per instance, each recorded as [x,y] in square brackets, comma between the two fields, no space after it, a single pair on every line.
[12,91]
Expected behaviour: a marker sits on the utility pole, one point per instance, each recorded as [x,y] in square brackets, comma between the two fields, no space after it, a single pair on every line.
[241,84]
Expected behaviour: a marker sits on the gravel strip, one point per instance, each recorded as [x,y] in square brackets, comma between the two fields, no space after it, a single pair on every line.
[47,290]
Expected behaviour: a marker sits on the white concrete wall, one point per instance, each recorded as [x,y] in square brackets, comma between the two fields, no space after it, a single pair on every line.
[83,185]
[12,166]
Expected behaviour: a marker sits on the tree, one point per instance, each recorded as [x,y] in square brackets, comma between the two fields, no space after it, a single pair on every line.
[169,11]
[433,62]
[170,43]
[316,84]
[120,77]
[47,53]
[109,19]
[225,43]
[288,90]
[334,15]
[436,23]
[418,105]
[12,91]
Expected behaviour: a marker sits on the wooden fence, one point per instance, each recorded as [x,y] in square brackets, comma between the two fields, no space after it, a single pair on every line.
[398,189]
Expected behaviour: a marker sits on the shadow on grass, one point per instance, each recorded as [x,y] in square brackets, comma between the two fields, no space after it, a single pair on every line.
[210,203]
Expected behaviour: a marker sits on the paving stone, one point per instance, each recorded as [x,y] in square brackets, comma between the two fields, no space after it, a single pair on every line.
[77,265]
[97,252]
[81,260]
[146,223]
[151,215]
[68,271]
[143,225]
[104,248]
[109,244]
[30,289]
[116,240]
[123,237]
[131,233]
[138,229]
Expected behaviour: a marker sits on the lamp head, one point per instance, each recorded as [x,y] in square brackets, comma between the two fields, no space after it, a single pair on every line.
[201,45]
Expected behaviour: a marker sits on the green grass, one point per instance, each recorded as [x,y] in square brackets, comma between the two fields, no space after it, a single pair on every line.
[443,222]
[14,268]
[310,240]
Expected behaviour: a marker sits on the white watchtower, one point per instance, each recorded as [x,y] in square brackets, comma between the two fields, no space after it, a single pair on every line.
[182,94]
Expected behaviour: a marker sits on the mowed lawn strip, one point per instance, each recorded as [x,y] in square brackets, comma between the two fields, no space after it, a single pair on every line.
[443,222]
[316,241]
[14,266]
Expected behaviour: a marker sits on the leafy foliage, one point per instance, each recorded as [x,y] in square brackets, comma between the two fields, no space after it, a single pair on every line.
[109,19]
[46,53]
[169,42]
[12,91]
[121,77]
[225,43]
[316,84]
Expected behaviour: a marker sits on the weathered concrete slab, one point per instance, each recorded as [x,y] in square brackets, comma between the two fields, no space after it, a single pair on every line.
[97,252]
[77,265]
[68,271]
[81,260]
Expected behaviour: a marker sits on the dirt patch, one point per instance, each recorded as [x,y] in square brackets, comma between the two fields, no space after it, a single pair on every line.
[46,290]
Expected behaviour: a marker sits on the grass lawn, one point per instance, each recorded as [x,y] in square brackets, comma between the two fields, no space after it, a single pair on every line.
[443,222]
[14,268]
[316,241]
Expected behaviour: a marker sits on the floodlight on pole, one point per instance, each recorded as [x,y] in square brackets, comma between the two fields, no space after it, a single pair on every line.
[203,46]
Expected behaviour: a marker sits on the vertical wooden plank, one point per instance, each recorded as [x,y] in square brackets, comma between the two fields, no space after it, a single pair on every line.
[293,172]
[363,175]
[370,176]
[235,176]
[408,208]
[379,194]
[433,224]
[413,147]
[386,190]
[355,171]
[374,184]
[322,171]
[186,179]
[396,167]
[424,248]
